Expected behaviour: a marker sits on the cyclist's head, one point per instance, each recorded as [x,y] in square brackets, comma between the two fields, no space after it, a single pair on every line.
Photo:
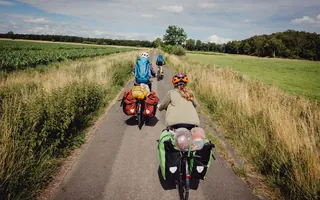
[180,79]
[144,55]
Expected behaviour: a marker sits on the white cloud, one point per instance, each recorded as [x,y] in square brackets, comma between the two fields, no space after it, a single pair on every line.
[30,19]
[318,17]
[247,20]
[216,39]
[146,15]
[207,5]
[159,36]
[6,3]
[36,20]
[13,24]
[172,9]
[304,19]
[228,20]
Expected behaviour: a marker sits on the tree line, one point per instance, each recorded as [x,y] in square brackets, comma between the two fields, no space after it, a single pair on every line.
[76,39]
[287,44]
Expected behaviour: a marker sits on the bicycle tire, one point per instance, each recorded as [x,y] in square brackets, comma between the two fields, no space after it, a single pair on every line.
[180,181]
[181,190]
[139,116]
[186,195]
[187,182]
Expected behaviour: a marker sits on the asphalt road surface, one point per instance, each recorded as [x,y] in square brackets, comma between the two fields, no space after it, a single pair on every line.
[121,162]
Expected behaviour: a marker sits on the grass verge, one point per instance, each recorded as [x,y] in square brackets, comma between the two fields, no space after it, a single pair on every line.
[43,115]
[277,132]
[293,76]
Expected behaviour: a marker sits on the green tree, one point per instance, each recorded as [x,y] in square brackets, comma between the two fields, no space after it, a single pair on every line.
[198,45]
[275,46]
[190,44]
[11,34]
[158,42]
[174,35]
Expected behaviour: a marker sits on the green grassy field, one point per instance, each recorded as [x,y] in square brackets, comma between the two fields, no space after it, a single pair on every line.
[17,55]
[294,76]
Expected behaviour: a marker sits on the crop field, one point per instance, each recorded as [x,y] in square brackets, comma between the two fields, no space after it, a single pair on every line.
[17,55]
[293,76]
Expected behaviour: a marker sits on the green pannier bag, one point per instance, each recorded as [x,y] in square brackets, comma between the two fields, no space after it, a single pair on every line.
[169,156]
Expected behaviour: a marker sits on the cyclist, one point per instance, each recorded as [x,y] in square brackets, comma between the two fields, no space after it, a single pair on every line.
[180,103]
[160,63]
[142,74]
[146,55]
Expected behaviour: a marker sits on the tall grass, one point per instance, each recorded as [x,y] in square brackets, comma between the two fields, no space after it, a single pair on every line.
[279,133]
[43,114]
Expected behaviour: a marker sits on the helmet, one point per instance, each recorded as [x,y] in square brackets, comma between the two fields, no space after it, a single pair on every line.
[145,55]
[180,78]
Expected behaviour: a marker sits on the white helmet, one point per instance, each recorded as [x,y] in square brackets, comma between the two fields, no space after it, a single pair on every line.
[145,55]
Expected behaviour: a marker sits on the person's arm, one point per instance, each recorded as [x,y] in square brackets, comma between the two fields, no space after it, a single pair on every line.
[164,104]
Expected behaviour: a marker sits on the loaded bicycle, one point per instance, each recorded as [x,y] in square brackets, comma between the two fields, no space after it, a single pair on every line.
[140,102]
[194,152]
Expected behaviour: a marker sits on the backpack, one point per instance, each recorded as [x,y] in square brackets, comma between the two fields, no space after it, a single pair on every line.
[160,60]
[128,103]
[142,70]
[150,104]
[169,155]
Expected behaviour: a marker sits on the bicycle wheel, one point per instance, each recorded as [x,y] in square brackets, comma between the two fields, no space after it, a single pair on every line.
[187,178]
[181,189]
[181,180]
[139,116]
[158,75]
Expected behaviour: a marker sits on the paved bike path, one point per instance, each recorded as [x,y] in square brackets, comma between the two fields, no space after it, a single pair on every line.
[121,162]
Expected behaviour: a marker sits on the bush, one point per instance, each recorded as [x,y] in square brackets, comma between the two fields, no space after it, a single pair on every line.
[168,49]
[176,50]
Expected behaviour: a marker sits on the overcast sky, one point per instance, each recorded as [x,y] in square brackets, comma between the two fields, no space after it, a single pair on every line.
[207,20]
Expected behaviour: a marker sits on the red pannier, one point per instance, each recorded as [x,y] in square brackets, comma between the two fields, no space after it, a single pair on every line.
[129,103]
[150,104]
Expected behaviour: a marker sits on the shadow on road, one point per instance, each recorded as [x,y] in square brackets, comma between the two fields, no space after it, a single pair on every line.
[132,121]
[171,185]
[152,121]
